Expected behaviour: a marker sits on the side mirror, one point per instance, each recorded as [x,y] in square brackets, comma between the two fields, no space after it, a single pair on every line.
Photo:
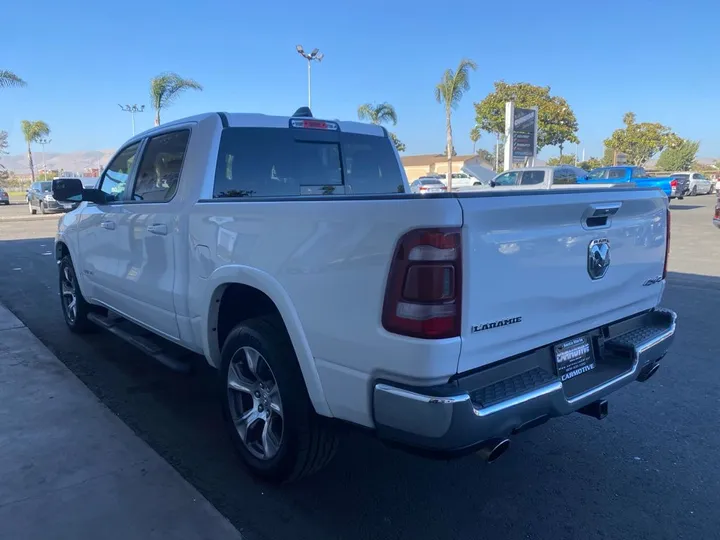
[71,190]
[493,183]
[67,189]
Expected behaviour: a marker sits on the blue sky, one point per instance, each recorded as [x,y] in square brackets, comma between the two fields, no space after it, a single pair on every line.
[81,58]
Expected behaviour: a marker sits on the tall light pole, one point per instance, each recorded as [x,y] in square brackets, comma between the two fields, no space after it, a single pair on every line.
[314,55]
[43,142]
[132,109]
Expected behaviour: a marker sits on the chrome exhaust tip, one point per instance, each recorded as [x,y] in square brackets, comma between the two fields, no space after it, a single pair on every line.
[493,449]
[597,409]
[648,372]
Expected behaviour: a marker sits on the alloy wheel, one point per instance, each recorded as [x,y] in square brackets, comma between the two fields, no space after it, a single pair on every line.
[255,404]
[68,290]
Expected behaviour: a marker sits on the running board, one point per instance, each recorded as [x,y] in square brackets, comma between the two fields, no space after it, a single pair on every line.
[147,343]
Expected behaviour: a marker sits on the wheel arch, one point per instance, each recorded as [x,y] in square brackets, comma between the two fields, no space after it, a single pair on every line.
[234,285]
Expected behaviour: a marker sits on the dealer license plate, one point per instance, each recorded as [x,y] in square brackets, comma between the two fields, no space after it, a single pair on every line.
[67,206]
[574,357]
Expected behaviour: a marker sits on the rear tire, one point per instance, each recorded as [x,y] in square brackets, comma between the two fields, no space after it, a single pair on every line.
[74,307]
[301,441]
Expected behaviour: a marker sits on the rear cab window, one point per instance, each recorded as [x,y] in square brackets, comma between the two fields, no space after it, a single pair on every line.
[293,162]
[616,174]
[565,177]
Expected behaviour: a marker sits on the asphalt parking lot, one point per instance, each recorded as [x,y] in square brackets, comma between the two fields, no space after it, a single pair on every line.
[647,471]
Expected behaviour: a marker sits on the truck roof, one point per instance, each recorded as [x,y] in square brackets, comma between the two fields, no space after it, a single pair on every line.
[269,121]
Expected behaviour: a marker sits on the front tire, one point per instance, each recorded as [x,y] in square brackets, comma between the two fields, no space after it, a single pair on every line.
[42,208]
[32,210]
[266,407]
[693,191]
[74,306]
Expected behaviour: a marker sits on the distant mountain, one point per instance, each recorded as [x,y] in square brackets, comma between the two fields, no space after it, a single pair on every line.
[71,161]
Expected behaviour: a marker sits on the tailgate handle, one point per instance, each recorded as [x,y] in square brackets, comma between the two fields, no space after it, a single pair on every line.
[598,215]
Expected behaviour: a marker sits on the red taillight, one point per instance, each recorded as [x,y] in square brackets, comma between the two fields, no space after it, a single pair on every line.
[423,293]
[667,245]
[673,183]
[717,209]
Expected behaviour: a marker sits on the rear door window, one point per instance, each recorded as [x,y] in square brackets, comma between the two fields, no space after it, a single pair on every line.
[277,162]
[532,178]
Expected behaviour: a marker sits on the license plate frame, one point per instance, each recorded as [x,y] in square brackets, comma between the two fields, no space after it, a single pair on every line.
[574,357]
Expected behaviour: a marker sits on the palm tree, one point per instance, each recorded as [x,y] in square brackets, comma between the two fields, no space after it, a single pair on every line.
[380,114]
[9,80]
[377,114]
[165,88]
[475,136]
[33,131]
[449,91]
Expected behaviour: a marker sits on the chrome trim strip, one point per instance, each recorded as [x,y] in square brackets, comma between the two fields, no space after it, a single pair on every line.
[519,400]
[399,392]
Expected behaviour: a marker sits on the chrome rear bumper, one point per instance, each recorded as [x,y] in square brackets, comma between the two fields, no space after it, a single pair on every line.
[514,395]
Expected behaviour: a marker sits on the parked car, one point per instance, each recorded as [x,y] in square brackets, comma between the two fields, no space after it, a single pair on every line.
[460,179]
[635,175]
[698,183]
[40,198]
[4,197]
[539,177]
[319,287]
[680,186]
[426,185]
[716,217]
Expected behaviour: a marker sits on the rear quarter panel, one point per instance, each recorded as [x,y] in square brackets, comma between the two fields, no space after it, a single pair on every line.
[325,263]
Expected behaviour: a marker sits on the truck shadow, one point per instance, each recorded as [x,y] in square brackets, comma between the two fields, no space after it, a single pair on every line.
[685,207]
[645,471]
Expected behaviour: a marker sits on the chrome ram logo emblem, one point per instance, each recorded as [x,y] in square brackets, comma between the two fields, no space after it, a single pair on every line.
[598,258]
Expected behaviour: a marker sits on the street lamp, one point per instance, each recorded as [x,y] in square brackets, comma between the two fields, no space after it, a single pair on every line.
[314,55]
[43,142]
[132,109]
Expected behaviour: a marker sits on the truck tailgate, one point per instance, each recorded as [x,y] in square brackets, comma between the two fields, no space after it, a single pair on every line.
[527,270]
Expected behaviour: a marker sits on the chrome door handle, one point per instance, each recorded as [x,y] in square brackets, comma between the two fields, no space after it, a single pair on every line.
[109,225]
[158,228]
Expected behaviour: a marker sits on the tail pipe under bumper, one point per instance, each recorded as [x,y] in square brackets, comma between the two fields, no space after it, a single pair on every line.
[448,419]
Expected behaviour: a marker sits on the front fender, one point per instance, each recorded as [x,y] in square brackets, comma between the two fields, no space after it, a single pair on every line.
[264,282]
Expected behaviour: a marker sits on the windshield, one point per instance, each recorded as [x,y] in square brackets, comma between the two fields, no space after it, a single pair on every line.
[45,186]
[596,173]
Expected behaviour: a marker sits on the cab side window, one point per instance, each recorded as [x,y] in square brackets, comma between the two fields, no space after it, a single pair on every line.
[115,178]
[507,179]
[159,172]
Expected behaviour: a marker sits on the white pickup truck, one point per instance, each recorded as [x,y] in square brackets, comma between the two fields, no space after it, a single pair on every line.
[289,253]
